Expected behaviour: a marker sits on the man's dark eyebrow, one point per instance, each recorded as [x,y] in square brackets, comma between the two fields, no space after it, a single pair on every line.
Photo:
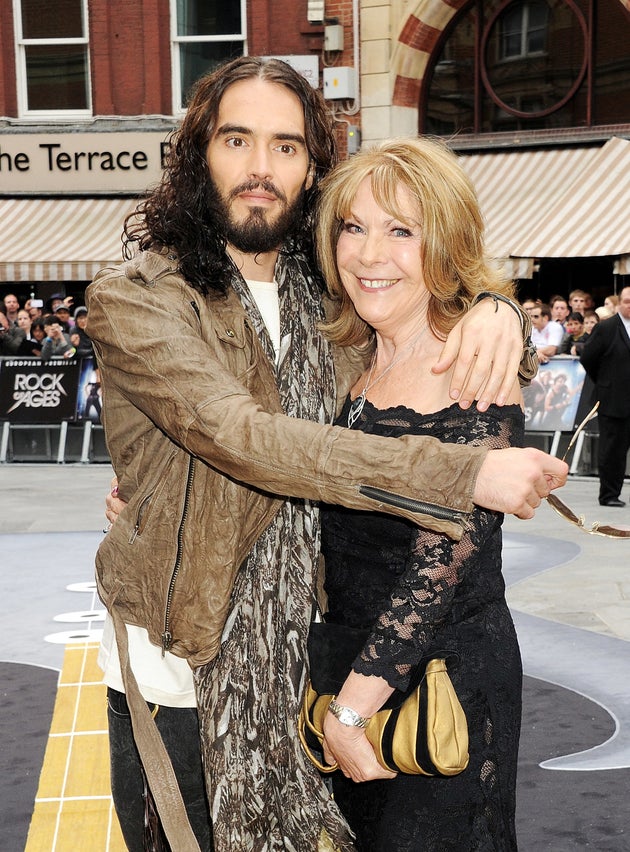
[227,129]
[291,137]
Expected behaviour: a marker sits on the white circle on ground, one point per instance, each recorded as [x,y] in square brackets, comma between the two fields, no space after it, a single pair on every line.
[73,637]
[89,586]
[81,615]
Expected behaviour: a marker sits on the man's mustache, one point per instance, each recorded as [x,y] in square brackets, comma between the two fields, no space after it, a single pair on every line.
[265,185]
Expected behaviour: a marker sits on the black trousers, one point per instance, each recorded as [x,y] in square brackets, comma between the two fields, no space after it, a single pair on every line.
[614,442]
[179,728]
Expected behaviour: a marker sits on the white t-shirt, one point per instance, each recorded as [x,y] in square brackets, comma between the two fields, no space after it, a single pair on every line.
[265,295]
[167,679]
[550,335]
[161,679]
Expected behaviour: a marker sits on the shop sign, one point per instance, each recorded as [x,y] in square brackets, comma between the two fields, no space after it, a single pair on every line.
[81,163]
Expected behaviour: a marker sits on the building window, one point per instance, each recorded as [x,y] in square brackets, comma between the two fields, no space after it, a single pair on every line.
[53,70]
[205,33]
[523,30]
[520,66]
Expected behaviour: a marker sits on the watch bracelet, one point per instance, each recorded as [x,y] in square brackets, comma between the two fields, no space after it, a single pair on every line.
[341,713]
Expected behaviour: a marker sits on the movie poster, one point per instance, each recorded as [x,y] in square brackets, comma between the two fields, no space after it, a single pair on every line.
[89,397]
[553,397]
[36,391]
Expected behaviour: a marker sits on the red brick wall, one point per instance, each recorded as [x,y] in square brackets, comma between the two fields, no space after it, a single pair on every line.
[280,27]
[130,60]
[130,56]
[8,95]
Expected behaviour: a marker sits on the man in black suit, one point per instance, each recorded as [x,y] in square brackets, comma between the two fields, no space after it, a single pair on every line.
[606,359]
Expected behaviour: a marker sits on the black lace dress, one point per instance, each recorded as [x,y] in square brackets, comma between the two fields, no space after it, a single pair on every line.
[419,591]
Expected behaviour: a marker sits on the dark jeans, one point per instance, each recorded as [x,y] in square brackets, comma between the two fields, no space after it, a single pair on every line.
[179,728]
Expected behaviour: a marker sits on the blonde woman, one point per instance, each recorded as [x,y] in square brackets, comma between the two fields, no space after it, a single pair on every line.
[401,247]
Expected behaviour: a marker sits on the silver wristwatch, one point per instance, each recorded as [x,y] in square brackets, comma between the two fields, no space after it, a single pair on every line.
[348,716]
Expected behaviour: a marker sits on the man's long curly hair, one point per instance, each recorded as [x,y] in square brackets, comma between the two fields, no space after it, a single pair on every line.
[181,213]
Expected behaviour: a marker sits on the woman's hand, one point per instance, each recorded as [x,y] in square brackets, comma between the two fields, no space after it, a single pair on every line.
[486,347]
[113,504]
[348,745]
[351,749]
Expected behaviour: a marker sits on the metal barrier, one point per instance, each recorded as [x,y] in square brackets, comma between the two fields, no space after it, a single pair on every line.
[582,458]
[61,443]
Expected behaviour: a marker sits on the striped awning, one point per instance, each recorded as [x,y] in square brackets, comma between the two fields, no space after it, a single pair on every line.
[515,189]
[591,218]
[66,239]
[516,267]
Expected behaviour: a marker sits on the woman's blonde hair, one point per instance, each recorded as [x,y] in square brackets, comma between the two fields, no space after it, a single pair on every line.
[452,230]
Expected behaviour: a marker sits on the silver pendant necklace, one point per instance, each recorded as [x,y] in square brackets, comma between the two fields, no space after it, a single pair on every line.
[357,404]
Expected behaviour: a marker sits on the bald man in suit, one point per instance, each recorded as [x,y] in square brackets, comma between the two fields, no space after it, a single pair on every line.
[606,359]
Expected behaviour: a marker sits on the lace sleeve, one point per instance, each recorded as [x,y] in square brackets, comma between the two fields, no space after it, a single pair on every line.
[421,601]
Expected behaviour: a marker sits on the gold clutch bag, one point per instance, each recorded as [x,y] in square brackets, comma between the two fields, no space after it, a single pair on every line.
[422,731]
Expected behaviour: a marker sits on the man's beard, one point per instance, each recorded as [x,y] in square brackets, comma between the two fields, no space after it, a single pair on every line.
[256,234]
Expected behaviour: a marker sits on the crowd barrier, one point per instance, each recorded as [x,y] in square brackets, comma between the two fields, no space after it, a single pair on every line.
[556,401]
[50,410]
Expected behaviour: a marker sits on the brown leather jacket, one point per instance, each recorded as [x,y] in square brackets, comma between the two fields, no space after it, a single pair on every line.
[193,425]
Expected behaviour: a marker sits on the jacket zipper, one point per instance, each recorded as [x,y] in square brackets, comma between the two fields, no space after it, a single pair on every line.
[442,513]
[139,515]
[167,636]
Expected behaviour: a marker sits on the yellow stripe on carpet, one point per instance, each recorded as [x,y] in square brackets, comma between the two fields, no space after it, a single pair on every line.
[73,808]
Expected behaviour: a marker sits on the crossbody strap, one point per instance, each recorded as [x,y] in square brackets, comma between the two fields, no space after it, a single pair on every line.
[155,759]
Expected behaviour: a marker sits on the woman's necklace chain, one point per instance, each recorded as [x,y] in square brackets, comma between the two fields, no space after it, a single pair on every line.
[357,404]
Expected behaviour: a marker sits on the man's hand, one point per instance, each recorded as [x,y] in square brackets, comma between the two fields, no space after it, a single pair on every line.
[486,347]
[113,504]
[516,480]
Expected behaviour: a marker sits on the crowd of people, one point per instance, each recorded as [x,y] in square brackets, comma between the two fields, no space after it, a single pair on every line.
[38,331]
[561,326]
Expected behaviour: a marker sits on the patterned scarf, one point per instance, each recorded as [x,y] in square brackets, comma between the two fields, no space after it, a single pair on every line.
[264,794]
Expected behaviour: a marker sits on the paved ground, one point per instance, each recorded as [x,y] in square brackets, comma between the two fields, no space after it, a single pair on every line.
[569,593]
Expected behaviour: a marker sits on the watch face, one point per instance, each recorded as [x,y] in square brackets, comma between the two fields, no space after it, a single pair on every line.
[347,717]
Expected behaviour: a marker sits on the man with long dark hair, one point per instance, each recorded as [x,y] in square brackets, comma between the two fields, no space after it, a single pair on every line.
[215,417]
